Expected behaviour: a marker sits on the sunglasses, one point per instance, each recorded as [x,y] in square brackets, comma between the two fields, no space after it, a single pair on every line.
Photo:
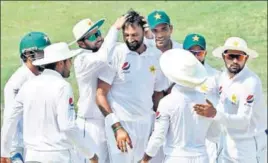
[238,57]
[94,36]
[198,53]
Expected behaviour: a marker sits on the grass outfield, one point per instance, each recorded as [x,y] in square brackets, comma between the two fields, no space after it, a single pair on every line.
[215,20]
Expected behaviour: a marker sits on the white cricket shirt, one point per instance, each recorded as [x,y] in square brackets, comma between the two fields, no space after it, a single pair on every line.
[183,131]
[46,104]
[137,77]
[241,109]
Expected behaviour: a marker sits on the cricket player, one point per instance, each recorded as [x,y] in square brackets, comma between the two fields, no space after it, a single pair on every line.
[241,110]
[196,44]
[161,29]
[31,46]
[90,66]
[183,131]
[46,104]
[126,99]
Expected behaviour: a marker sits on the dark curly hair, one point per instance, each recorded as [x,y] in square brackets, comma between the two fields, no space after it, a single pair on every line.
[134,18]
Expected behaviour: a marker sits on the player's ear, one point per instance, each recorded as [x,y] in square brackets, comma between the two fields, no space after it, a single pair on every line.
[81,44]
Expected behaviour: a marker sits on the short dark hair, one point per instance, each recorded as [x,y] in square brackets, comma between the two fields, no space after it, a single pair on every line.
[52,66]
[134,18]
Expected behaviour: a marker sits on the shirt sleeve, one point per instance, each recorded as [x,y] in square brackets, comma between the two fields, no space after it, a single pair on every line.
[106,73]
[11,119]
[161,127]
[66,121]
[247,101]
[161,81]
[108,44]
[214,132]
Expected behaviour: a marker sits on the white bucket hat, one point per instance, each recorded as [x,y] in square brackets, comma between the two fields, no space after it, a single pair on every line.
[235,43]
[84,27]
[180,66]
[56,52]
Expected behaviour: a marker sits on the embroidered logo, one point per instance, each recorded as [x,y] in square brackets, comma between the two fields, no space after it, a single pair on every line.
[126,66]
[234,99]
[152,69]
[250,99]
[71,103]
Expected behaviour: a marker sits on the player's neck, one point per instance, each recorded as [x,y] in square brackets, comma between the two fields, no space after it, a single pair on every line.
[32,68]
[141,49]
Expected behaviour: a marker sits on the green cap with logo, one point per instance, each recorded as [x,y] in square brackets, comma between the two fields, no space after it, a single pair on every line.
[157,17]
[194,39]
[34,41]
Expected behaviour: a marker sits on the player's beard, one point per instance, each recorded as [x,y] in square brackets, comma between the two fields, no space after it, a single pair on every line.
[135,45]
[235,68]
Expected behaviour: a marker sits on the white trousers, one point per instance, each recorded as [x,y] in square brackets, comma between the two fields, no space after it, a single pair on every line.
[61,156]
[94,134]
[253,150]
[139,132]
[194,159]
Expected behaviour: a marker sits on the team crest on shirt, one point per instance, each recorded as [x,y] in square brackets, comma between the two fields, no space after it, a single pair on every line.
[233,99]
[152,69]
[125,67]
[204,88]
[157,115]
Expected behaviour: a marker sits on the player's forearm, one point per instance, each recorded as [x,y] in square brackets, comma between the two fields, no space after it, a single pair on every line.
[157,96]
[232,121]
[103,105]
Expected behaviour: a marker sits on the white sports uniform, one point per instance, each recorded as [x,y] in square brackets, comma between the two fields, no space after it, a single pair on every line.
[88,67]
[210,89]
[130,97]
[151,42]
[50,131]
[243,114]
[183,131]
[11,89]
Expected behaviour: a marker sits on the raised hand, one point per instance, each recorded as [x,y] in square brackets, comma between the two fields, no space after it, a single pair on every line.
[206,110]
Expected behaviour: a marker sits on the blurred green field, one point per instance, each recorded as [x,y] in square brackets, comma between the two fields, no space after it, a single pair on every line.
[215,20]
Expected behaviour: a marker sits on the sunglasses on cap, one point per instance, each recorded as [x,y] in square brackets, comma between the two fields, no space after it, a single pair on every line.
[198,53]
[94,36]
[232,56]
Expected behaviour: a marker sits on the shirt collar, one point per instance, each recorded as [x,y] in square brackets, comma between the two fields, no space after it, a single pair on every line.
[135,53]
[239,75]
[51,72]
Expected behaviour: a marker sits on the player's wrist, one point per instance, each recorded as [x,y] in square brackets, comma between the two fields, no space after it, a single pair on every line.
[111,119]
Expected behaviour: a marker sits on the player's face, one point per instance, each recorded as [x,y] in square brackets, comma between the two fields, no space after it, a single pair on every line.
[162,34]
[93,42]
[235,60]
[133,36]
[199,53]
[66,67]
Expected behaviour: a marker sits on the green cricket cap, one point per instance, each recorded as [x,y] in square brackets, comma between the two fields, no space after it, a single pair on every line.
[194,39]
[157,17]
